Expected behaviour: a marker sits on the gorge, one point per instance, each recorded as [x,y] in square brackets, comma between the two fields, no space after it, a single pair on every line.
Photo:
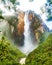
[30,42]
[27,30]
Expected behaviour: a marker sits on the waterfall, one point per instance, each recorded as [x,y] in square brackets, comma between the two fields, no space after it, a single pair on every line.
[29,39]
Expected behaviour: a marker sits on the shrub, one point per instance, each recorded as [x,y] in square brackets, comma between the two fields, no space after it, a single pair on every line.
[9,55]
[42,55]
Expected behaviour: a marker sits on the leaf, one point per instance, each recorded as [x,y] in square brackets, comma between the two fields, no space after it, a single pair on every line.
[13,1]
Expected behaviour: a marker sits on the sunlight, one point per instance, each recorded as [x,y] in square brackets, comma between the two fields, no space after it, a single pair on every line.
[26,5]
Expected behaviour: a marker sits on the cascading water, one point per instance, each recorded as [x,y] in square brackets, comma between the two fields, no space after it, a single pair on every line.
[29,39]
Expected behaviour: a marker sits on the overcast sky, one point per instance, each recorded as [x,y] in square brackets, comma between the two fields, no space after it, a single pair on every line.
[35,5]
[26,5]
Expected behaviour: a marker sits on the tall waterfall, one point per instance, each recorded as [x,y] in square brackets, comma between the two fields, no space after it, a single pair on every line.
[29,39]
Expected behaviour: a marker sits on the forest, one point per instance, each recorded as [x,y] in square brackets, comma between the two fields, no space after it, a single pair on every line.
[25,32]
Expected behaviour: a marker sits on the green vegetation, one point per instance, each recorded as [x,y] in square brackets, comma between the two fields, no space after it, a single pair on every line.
[47,9]
[42,55]
[9,55]
[1,17]
[44,36]
[14,3]
[0,12]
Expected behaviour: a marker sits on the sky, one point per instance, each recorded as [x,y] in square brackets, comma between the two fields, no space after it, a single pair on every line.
[34,5]
[26,5]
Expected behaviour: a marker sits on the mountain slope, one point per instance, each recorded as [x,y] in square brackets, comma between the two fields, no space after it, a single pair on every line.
[9,54]
[42,55]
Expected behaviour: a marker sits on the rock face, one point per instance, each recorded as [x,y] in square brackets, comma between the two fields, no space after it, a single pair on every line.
[16,25]
[20,25]
[31,15]
[36,24]
[20,28]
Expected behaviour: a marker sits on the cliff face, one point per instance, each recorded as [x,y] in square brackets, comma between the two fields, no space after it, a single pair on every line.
[18,31]
[20,25]
[36,25]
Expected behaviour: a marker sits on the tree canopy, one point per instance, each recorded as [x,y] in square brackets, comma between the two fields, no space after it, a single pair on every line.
[42,55]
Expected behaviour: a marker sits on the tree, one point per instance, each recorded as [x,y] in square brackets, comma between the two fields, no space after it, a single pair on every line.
[49,9]
[9,54]
[41,55]
[8,4]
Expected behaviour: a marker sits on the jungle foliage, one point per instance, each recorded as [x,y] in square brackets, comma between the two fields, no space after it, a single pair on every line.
[42,55]
[9,54]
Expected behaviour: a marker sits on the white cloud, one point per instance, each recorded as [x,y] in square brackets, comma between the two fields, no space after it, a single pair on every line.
[26,5]
[35,5]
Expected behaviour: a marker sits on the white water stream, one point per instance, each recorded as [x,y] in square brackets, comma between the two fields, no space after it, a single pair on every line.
[29,40]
